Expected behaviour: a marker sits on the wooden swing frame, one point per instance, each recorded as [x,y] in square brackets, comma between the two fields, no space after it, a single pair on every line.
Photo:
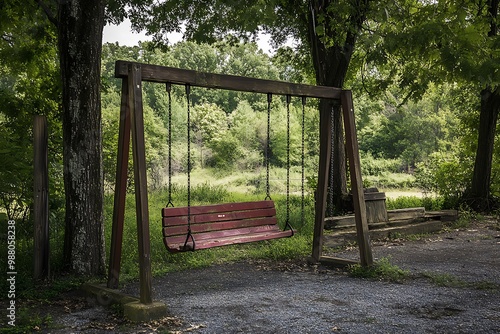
[131,128]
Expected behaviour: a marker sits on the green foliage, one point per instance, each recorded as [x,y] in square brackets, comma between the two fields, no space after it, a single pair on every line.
[28,321]
[162,261]
[29,85]
[445,280]
[402,202]
[209,122]
[445,175]
[390,180]
[452,281]
[240,146]
[416,43]
[381,270]
[409,132]
[279,141]
[376,166]
[226,152]
[206,193]
[155,144]
[466,217]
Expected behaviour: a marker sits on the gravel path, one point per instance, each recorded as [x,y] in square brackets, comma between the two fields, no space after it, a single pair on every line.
[263,297]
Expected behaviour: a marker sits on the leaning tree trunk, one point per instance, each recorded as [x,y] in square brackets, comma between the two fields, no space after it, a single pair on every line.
[80,25]
[478,195]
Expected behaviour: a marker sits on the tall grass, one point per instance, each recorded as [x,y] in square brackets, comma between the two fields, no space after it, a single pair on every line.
[163,262]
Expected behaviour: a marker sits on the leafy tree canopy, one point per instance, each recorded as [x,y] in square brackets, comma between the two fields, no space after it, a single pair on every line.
[414,43]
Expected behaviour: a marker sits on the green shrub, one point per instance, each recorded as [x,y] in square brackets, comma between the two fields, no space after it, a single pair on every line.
[390,180]
[445,175]
[207,193]
[402,202]
[376,166]
[226,151]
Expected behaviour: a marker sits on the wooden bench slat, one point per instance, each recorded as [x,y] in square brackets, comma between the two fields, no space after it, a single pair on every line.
[227,240]
[218,217]
[214,226]
[209,243]
[216,208]
[240,215]
[221,224]
[226,233]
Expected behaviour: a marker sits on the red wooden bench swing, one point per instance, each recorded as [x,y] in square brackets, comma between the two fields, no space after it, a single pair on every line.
[199,227]
[192,228]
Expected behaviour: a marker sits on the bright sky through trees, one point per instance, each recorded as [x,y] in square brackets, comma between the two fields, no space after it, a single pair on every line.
[124,35]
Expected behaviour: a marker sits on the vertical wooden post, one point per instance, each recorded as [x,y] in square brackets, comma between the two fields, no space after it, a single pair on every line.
[325,145]
[141,191]
[358,197]
[41,198]
[120,190]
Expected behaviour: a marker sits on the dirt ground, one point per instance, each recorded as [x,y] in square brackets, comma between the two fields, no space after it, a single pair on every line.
[454,287]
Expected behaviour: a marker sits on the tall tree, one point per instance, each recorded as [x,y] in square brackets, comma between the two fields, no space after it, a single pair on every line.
[79,30]
[325,29]
[29,85]
[478,195]
[417,43]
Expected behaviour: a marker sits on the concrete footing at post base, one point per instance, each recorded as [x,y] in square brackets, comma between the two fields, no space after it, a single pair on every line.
[133,309]
[139,312]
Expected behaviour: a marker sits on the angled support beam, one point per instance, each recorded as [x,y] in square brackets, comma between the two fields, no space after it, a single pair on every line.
[140,180]
[120,190]
[325,149]
[356,180]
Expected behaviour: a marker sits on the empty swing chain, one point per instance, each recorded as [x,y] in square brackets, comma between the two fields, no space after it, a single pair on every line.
[169,89]
[269,100]
[303,155]
[332,161]
[288,99]
[189,234]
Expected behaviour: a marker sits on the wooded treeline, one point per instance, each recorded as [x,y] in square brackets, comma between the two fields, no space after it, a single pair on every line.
[425,78]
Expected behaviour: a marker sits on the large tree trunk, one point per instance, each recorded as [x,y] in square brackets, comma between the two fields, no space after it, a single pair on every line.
[331,64]
[338,175]
[478,195]
[80,25]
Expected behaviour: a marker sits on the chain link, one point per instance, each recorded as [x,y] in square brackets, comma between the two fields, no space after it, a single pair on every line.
[288,99]
[188,90]
[169,89]
[332,161]
[303,157]
[269,100]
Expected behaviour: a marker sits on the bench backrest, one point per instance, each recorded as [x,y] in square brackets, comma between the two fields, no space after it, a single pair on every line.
[215,220]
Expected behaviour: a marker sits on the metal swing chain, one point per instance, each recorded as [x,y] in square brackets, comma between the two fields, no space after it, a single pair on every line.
[332,161]
[189,234]
[288,99]
[303,156]
[269,100]
[169,89]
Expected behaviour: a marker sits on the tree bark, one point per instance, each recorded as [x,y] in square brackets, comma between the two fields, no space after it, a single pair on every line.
[478,195]
[331,64]
[80,25]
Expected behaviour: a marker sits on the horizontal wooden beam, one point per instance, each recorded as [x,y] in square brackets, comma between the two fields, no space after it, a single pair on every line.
[337,261]
[163,74]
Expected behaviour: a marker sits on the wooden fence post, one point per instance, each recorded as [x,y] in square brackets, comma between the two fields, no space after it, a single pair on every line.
[41,203]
